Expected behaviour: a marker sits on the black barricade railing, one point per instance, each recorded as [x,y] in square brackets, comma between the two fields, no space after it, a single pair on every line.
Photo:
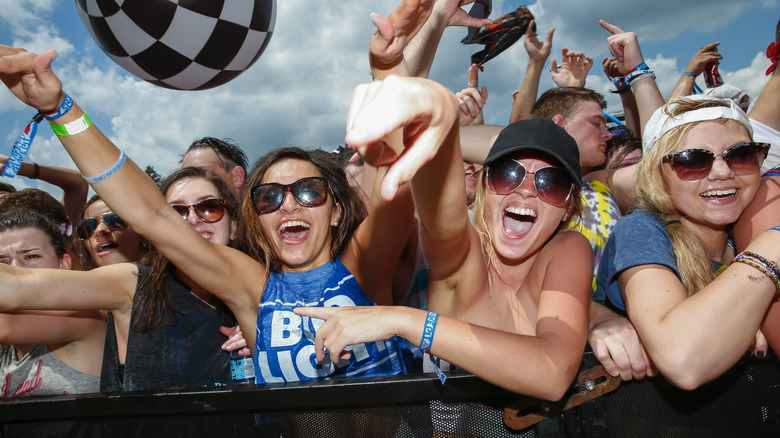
[396,406]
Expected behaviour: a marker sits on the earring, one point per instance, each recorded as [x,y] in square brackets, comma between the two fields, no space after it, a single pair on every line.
[334,224]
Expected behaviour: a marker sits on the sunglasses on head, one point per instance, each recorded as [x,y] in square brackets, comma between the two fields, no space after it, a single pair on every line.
[309,192]
[86,228]
[742,158]
[208,210]
[553,184]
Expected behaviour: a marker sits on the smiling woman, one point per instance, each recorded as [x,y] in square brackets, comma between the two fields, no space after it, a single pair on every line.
[669,266]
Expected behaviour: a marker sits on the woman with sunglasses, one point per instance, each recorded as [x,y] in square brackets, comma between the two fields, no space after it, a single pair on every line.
[500,305]
[162,326]
[695,304]
[303,228]
[105,238]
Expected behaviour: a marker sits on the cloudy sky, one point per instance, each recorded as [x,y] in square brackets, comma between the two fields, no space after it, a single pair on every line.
[298,92]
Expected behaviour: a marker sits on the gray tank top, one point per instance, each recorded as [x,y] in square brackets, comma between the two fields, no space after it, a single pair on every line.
[40,372]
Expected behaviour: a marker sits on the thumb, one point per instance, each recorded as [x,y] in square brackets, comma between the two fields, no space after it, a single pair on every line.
[553,66]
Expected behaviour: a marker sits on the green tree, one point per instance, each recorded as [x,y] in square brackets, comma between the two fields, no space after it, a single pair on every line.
[153,174]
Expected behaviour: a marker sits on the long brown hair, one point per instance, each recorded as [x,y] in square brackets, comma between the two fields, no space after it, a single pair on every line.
[253,240]
[151,304]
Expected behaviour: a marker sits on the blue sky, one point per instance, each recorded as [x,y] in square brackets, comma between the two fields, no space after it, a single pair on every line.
[298,91]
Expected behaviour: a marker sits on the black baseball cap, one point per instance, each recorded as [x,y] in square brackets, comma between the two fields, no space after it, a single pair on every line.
[541,135]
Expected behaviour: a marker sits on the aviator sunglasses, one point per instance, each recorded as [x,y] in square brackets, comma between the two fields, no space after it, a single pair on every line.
[553,184]
[309,192]
[87,227]
[208,210]
[742,158]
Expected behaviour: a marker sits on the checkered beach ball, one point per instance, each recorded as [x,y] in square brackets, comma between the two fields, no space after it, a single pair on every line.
[181,44]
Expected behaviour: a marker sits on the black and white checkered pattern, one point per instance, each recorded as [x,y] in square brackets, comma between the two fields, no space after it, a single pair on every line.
[181,44]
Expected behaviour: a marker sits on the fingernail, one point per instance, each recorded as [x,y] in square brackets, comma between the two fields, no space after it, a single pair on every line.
[55,57]
[759,354]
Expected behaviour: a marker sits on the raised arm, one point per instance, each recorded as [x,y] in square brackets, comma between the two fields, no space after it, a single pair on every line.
[74,188]
[704,56]
[221,270]
[627,100]
[538,52]
[422,48]
[624,47]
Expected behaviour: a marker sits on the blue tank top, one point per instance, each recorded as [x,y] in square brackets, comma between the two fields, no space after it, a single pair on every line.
[285,341]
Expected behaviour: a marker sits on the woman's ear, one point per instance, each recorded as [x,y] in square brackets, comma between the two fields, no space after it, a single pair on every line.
[66,262]
[335,215]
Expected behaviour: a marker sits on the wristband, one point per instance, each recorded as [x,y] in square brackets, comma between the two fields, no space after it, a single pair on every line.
[63,109]
[621,90]
[36,171]
[687,73]
[428,330]
[108,173]
[767,267]
[75,127]
[21,147]
[776,228]
[638,74]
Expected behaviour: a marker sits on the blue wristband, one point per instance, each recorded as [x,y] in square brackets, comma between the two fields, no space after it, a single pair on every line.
[776,228]
[108,173]
[428,331]
[687,73]
[63,109]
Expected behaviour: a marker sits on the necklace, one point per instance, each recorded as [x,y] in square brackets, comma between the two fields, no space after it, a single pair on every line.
[313,298]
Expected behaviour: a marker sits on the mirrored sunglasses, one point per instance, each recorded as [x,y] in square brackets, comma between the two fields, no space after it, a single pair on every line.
[552,184]
[308,192]
[742,158]
[208,210]
[86,228]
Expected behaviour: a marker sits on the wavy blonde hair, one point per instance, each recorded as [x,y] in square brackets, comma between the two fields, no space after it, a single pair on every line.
[652,194]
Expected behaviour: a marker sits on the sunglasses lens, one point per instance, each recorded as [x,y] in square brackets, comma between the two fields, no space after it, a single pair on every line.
[553,184]
[210,210]
[268,197]
[692,164]
[86,227]
[114,221]
[505,176]
[310,192]
[183,210]
[745,158]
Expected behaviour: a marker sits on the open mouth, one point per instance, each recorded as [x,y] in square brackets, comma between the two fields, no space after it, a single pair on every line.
[106,247]
[293,230]
[517,221]
[719,194]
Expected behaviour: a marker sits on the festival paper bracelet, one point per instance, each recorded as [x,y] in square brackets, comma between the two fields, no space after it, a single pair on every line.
[75,127]
[108,173]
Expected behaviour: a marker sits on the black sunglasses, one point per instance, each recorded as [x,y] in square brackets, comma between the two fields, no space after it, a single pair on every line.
[742,158]
[309,192]
[87,227]
[553,184]
[208,210]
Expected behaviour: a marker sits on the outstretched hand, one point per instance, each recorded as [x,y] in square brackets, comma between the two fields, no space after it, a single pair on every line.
[707,54]
[345,326]
[426,111]
[454,14]
[574,69]
[30,78]
[624,47]
[395,31]
[538,51]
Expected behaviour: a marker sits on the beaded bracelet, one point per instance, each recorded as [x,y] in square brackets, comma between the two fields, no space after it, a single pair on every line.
[428,331]
[63,109]
[766,267]
[110,172]
[638,74]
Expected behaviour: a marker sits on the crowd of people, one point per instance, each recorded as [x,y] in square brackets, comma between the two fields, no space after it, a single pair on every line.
[505,251]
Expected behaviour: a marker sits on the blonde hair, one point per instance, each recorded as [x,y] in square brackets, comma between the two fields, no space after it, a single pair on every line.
[652,194]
